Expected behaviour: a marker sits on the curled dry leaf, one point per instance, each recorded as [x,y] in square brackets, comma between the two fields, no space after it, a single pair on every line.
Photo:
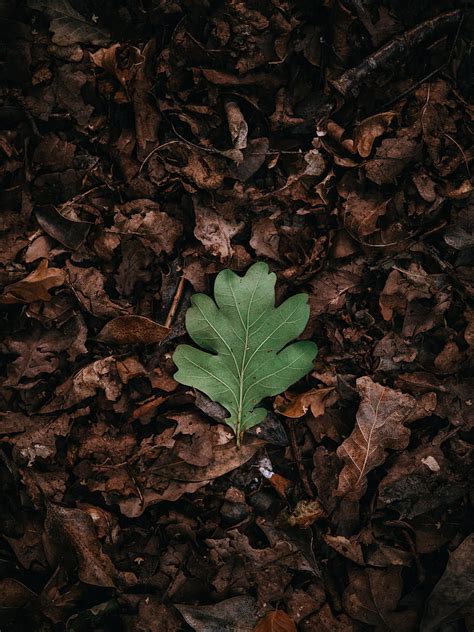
[215,232]
[369,130]
[276,621]
[35,286]
[295,406]
[70,233]
[238,127]
[73,530]
[380,418]
[125,330]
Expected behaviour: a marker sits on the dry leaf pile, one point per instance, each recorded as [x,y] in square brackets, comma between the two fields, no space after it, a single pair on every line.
[145,147]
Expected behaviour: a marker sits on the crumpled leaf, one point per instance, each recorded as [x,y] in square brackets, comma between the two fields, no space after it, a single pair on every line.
[68,25]
[35,286]
[157,230]
[391,158]
[380,418]
[372,597]
[88,285]
[369,130]
[362,213]
[276,621]
[73,530]
[295,406]
[249,336]
[125,330]
[101,374]
[453,596]
[37,352]
[215,231]
[237,614]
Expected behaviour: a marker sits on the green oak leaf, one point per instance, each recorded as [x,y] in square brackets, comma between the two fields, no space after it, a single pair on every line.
[248,339]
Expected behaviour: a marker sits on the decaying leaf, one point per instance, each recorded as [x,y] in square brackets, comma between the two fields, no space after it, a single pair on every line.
[369,130]
[237,614]
[380,425]
[249,336]
[35,286]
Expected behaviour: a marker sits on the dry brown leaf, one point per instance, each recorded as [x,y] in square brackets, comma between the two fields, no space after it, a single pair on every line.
[72,530]
[295,406]
[369,130]
[238,127]
[362,212]
[372,597]
[69,233]
[265,238]
[215,232]
[391,158]
[125,330]
[88,286]
[380,418]
[276,621]
[35,286]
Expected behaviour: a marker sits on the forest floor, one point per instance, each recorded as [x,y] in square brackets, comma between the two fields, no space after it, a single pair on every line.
[148,144]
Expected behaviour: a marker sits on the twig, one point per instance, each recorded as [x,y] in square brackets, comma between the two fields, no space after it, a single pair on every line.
[175,303]
[350,82]
[299,463]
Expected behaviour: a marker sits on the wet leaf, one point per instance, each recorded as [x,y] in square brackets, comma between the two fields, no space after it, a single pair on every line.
[250,337]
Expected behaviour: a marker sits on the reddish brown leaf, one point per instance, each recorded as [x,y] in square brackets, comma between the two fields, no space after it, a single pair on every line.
[276,621]
[125,330]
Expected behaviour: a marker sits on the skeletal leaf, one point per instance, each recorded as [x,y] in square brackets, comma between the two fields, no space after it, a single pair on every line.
[247,337]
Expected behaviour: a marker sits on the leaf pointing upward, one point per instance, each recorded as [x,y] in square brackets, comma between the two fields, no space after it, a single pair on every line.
[248,336]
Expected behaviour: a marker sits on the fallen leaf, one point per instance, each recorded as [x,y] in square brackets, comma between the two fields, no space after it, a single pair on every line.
[237,614]
[68,25]
[296,406]
[362,212]
[35,286]
[71,234]
[276,621]
[72,530]
[368,130]
[453,596]
[157,230]
[372,598]
[88,286]
[380,418]
[125,330]
[215,232]
[265,238]
[391,158]
[238,127]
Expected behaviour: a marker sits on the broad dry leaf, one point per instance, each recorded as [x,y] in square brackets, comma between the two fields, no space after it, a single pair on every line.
[296,406]
[126,330]
[380,418]
[35,286]
[215,232]
[276,621]
[369,130]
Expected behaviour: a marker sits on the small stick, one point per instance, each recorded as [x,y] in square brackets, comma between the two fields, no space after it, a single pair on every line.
[175,303]
[297,456]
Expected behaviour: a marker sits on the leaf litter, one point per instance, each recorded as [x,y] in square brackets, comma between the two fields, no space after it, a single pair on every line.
[145,150]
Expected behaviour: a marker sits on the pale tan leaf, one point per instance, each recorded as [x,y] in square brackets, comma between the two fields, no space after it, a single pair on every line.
[380,418]
[35,286]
